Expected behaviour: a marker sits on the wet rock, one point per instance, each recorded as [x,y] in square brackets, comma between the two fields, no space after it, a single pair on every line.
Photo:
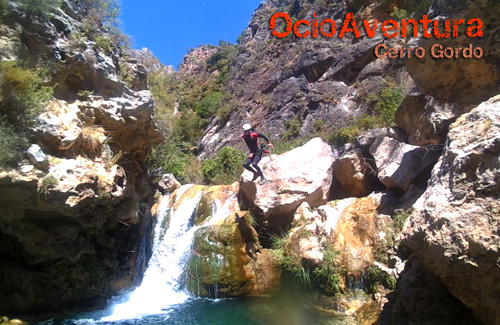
[303,174]
[219,265]
[454,229]
[168,183]
[400,164]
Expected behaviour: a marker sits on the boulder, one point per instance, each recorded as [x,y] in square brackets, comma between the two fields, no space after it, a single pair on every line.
[168,183]
[454,227]
[37,157]
[303,174]
[352,176]
[400,164]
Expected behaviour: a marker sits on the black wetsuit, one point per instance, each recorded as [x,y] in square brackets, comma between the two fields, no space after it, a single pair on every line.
[255,153]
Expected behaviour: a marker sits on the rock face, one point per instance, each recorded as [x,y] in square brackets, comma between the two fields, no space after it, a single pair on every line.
[400,164]
[318,83]
[454,228]
[303,174]
[425,119]
[463,81]
[74,215]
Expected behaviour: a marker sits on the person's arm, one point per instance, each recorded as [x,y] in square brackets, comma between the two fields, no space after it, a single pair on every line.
[265,138]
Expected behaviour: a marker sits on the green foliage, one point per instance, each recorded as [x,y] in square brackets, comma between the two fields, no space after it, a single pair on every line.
[3,8]
[374,277]
[84,94]
[102,15]
[209,105]
[11,143]
[328,274]
[399,14]
[292,129]
[289,260]
[282,146]
[319,125]
[188,127]
[225,167]
[399,219]
[47,183]
[21,94]
[390,99]
[171,157]
[104,43]
[416,8]
[39,7]
[125,73]
[22,98]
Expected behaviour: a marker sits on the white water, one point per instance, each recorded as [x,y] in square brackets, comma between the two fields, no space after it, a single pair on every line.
[159,288]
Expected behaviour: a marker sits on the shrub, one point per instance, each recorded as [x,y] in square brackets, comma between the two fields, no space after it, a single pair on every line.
[12,144]
[328,274]
[209,105]
[282,146]
[188,127]
[390,99]
[21,94]
[399,14]
[170,157]
[39,7]
[104,43]
[292,129]
[47,183]
[225,167]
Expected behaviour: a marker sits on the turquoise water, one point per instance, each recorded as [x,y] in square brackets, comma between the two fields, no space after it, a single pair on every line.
[242,311]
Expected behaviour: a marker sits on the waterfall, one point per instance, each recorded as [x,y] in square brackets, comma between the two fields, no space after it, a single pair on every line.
[159,288]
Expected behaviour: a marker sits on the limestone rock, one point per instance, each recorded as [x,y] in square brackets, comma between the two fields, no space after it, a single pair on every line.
[462,81]
[37,157]
[303,174]
[352,176]
[454,229]
[168,183]
[425,119]
[421,297]
[219,265]
[400,164]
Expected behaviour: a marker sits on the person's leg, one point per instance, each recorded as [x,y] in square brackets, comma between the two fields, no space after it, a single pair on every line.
[255,162]
[246,165]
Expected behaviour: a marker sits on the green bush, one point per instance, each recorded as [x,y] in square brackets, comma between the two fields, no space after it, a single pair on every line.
[104,43]
[292,129]
[170,157]
[38,7]
[188,127]
[390,99]
[225,168]
[47,183]
[12,144]
[282,146]
[21,94]
[209,105]
[328,274]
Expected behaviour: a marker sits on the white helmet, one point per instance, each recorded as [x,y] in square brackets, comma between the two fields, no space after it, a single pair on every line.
[247,127]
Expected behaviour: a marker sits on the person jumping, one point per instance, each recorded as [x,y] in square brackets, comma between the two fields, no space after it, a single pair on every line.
[255,155]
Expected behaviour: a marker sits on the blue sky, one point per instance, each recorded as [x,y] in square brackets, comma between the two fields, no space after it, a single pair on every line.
[170,27]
